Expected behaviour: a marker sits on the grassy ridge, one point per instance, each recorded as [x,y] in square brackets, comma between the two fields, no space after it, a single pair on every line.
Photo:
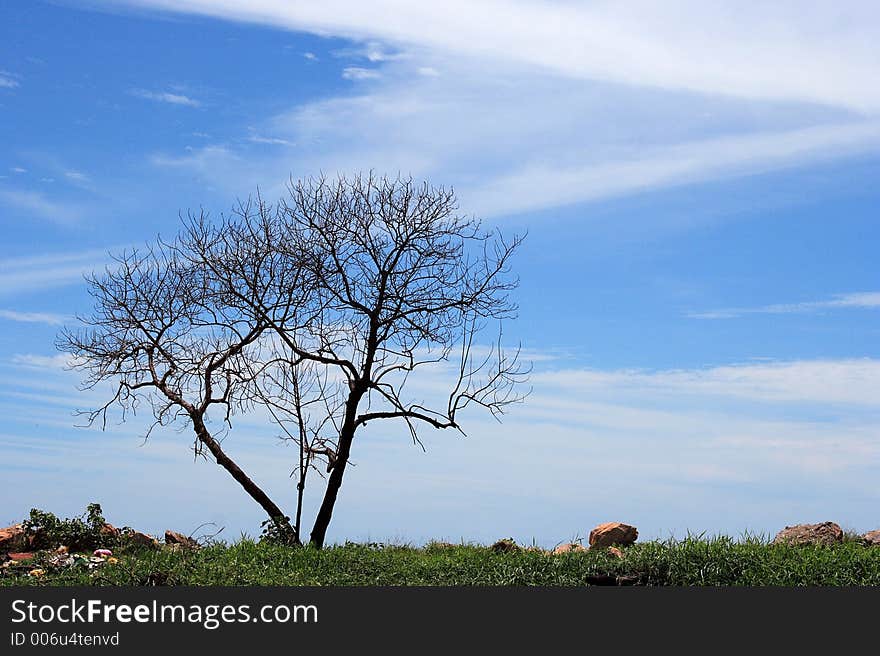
[718,561]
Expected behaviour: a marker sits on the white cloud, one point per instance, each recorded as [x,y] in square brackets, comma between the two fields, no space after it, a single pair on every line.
[33,317]
[663,450]
[58,362]
[8,81]
[542,106]
[166,97]
[77,176]
[24,275]
[854,382]
[310,56]
[372,51]
[512,142]
[358,73]
[37,204]
[858,300]
[825,53]
[18,169]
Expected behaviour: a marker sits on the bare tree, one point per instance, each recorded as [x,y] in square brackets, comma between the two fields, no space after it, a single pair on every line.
[319,310]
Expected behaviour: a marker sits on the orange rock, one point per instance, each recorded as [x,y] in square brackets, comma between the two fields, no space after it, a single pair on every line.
[110,530]
[824,533]
[610,533]
[12,537]
[24,555]
[614,551]
[143,540]
[569,548]
[173,537]
[872,538]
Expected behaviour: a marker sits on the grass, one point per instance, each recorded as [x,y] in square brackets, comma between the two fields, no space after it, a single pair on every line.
[688,562]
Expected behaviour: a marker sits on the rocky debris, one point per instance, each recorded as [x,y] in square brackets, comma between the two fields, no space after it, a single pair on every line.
[180,540]
[826,533]
[507,545]
[611,533]
[62,560]
[143,540]
[872,538]
[18,557]
[571,547]
[12,537]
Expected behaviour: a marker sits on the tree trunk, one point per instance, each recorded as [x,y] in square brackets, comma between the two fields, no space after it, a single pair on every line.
[325,513]
[275,513]
[343,449]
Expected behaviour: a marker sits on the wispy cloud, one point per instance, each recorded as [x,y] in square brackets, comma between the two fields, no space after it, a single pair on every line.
[853,382]
[664,449]
[310,56]
[18,169]
[564,151]
[8,80]
[372,51]
[757,52]
[858,300]
[543,106]
[33,317]
[77,176]
[37,204]
[358,73]
[166,97]
[274,141]
[57,362]
[23,275]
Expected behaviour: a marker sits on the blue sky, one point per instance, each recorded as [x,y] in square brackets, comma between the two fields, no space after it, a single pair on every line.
[700,291]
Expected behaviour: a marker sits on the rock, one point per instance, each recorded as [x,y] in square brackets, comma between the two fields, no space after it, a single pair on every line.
[825,533]
[18,557]
[109,530]
[507,545]
[614,551]
[143,540]
[872,538]
[568,548]
[173,537]
[12,537]
[610,533]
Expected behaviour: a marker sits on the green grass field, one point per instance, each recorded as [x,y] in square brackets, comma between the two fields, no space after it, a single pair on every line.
[689,562]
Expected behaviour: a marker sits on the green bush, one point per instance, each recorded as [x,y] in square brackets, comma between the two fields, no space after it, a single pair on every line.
[45,530]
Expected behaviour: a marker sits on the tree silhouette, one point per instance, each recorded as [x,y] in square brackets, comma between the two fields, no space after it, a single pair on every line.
[317,311]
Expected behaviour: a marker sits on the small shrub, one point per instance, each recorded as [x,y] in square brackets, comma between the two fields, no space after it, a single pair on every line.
[45,530]
[278,531]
